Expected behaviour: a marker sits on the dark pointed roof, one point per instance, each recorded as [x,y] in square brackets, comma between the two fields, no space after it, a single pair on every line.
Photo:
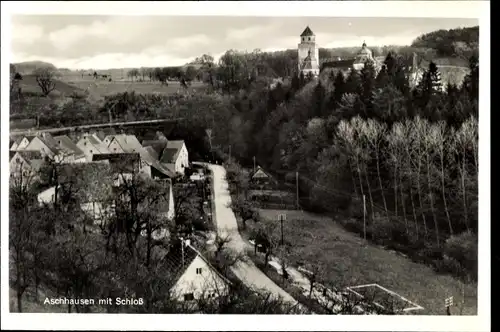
[307,32]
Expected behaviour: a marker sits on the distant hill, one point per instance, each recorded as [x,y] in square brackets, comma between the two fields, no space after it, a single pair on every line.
[461,42]
[26,68]
[29,84]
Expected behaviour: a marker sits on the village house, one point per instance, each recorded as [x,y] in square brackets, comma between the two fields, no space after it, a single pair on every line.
[70,149]
[122,143]
[48,146]
[175,156]
[25,167]
[193,276]
[90,145]
[21,143]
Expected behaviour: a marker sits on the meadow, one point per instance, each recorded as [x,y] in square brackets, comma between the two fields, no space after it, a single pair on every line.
[347,260]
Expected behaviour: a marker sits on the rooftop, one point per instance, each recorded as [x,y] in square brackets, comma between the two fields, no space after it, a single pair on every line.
[307,32]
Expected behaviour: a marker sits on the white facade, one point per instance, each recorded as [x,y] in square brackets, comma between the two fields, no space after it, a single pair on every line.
[47,196]
[182,160]
[308,46]
[21,170]
[38,145]
[21,146]
[90,148]
[199,279]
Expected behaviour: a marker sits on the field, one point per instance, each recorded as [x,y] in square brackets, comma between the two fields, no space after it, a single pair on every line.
[100,88]
[346,260]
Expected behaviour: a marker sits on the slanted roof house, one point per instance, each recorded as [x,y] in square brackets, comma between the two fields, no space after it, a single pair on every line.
[69,147]
[192,274]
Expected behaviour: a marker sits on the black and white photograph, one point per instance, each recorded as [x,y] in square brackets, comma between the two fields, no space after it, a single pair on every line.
[241,164]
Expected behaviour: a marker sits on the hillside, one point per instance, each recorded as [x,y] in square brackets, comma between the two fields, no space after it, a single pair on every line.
[28,67]
[461,42]
[29,84]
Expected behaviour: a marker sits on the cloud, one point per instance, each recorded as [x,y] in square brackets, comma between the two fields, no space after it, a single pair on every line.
[26,34]
[72,35]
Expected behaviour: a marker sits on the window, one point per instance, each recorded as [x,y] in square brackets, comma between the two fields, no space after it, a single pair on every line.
[309,38]
[84,143]
[90,151]
[198,270]
[114,149]
[188,297]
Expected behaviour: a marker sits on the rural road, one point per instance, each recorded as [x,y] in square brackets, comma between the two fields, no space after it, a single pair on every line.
[246,270]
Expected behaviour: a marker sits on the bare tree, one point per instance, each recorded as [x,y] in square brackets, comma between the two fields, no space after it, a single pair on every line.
[45,78]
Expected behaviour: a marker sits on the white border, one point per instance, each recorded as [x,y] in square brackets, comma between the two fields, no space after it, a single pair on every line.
[463,9]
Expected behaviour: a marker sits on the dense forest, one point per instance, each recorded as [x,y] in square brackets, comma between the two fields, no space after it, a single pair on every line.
[461,42]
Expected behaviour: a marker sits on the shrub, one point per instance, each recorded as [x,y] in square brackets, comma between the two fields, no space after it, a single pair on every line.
[463,249]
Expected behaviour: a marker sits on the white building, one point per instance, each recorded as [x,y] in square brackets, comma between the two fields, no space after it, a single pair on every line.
[308,60]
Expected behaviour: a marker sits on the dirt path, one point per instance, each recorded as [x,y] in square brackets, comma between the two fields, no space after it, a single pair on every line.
[246,270]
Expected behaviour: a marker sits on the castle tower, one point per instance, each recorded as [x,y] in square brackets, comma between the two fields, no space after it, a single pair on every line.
[308,60]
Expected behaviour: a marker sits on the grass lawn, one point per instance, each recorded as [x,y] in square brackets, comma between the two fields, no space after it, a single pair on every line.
[100,88]
[347,261]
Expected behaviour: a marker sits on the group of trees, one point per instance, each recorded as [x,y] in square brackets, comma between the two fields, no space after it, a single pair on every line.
[411,153]
[461,42]
[57,251]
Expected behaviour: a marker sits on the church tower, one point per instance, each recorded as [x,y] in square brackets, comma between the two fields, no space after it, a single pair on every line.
[308,60]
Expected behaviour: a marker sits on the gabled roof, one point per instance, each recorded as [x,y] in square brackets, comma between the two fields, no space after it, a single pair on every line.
[99,145]
[151,152]
[50,142]
[120,162]
[153,162]
[176,265]
[171,151]
[68,146]
[129,143]
[157,145]
[307,32]
[260,173]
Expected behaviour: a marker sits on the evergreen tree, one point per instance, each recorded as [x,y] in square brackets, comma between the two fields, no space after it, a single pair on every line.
[471,81]
[367,85]
[295,82]
[353,82]
[339,88]
[390,63]
[382,77]
[430,85]
[302,79]
[318,99]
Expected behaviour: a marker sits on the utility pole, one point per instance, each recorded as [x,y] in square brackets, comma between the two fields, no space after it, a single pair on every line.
[254,164]
[297,188]
[229,153]
[364,217]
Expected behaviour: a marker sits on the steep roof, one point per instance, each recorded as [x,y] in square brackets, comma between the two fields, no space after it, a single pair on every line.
[153,162]
[68,146]
[157,145]
[151,152]
[50,142]
[177,261]
[307,32]
[129,143]
[171,151]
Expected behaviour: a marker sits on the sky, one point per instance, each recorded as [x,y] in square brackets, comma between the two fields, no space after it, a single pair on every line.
[103,42]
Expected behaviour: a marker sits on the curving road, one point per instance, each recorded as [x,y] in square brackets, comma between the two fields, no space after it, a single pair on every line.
[246,270]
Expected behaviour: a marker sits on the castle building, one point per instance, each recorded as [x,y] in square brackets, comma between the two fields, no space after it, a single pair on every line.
[308,60]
